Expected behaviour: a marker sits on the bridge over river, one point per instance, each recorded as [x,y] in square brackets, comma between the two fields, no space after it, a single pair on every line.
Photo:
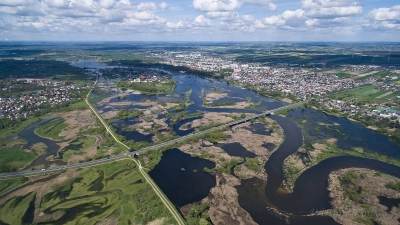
[131,154]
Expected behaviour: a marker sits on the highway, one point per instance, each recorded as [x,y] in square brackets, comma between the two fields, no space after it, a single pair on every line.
[213,129]
[128,155]
[168,204]
[131,154]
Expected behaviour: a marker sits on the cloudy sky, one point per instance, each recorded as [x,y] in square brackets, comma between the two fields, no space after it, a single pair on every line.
[200,20]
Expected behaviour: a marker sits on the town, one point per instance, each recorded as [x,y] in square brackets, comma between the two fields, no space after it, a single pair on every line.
[21,98]
[308,84]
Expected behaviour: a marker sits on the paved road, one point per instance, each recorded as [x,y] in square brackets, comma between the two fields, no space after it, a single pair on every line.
[220,127]
[127,155]
[26,173]
[164,199]
[131,155]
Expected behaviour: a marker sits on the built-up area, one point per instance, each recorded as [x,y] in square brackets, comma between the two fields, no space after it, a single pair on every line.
[375,91]
[23,97]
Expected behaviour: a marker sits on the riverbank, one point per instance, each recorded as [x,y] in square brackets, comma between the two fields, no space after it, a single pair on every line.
[234,163]
[311,155]
[356,201]
[149,88]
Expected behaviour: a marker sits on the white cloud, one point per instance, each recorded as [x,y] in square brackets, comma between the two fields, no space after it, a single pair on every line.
[175,25]
[213,16]
[315,14]
[151,6]
[104,3]
[388,18]
[12,2]
[331,8]
[312,22]
[216,5]
[274,21]
[64,15]
[269,4]
[224,14]
[228,8]
[293,14]
[201,21]
[286,19]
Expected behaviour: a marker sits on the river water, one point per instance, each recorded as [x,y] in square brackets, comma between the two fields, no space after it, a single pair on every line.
[52,148]
[181,176]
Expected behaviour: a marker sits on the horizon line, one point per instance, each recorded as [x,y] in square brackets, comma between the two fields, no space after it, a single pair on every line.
[187,41]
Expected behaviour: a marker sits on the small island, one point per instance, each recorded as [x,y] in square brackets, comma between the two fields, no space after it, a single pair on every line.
[150,84]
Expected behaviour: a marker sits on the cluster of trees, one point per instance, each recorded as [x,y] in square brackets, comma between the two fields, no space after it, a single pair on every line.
[39,69]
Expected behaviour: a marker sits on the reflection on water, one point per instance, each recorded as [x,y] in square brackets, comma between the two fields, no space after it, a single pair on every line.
[389,202]
[181,177]
[236,149]
[259,128]
[32,138]
[175,176]
[253,198]
[310,190]
[318,125]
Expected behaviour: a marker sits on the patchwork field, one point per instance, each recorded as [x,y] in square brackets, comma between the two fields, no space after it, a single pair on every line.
[107,194]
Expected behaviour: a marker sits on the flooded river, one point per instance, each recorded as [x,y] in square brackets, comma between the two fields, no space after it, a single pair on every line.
[181,176]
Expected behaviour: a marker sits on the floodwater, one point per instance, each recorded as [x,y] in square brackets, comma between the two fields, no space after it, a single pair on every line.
[181,177]
[259,128]
[175,172]
[28,134]
[389,202]
[236,149]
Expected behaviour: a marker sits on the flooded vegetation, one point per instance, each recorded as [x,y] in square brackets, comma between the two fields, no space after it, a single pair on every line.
[262,195]
[282,169]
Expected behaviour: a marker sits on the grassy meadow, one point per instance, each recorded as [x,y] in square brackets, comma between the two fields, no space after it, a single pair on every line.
[113,193]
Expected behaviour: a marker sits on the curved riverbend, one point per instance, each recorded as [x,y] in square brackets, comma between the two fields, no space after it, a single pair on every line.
[52,148]
[310,192]
[292,142]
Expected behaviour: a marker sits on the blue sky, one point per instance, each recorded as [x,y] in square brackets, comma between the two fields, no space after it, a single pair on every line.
[200,20]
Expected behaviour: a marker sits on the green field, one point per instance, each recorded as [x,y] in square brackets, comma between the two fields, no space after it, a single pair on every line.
[150,88]
[362,94]
[128,114]
[379,74]
[108,194]
[51,129]
[394,186]
[342,74]
[7,185]
[14,158]
[77,146]
[19,206]
[198,215]
[14,127]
